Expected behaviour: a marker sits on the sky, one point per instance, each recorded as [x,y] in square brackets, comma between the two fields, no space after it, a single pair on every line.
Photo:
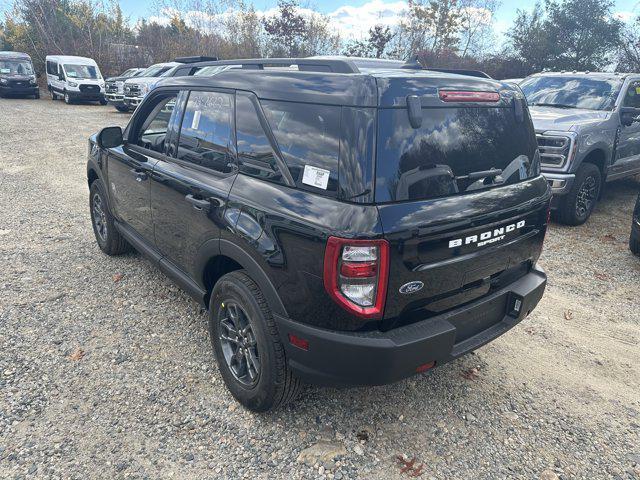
[354,17]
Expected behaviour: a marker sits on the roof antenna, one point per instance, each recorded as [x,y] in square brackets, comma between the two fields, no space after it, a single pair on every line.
[412,63]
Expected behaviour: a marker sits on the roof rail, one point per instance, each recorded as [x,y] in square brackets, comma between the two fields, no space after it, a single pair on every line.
[469,73]
[195,59]
[303,64]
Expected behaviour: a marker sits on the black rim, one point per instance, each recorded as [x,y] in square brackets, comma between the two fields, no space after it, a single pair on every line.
[587,196]
[239,345]
[99,217]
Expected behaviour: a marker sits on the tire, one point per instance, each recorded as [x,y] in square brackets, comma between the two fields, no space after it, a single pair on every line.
[54,97]
[576,207]
[109,239]
[37,96]
[634,243]
[67,98]
[122,109]
[273,383]
[103,101]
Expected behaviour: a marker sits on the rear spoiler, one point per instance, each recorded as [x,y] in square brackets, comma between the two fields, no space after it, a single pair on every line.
[469,73]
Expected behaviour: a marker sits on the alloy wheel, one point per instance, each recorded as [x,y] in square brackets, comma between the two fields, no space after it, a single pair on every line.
[239,345]
[587,196]
[99,217]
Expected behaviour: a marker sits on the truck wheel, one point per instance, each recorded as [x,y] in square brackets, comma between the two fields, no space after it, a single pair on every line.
[109,239]
[103,101]
[250,356]
[634,243]
[122,109]
[53,95]
[576,207]
[37,96]
[67,98]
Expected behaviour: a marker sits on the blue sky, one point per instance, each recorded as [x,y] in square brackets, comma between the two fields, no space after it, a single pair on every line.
[353,18]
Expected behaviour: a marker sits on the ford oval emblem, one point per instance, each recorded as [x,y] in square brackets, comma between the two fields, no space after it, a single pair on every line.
[411,287]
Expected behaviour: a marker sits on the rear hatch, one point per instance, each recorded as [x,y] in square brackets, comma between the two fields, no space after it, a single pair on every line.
[459,192]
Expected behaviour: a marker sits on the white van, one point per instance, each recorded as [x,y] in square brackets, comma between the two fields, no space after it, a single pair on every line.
[74,78]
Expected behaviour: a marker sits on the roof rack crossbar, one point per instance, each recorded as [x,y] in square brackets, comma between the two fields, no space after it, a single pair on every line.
[305,64]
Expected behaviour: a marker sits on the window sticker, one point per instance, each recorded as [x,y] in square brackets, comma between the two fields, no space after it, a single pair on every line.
[196,120]
[637,90]
[5,70]
[316,177]
[72,74]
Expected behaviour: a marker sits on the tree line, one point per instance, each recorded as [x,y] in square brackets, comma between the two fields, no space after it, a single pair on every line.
[555,34]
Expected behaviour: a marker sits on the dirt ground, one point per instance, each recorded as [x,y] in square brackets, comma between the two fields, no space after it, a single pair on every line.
[106,370]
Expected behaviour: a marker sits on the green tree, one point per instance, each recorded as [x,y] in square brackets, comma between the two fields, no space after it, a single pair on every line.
[374,46]
[583,33]
[529,39]
[287,29]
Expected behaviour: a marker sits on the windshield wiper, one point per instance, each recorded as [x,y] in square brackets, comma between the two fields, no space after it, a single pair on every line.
[557,105]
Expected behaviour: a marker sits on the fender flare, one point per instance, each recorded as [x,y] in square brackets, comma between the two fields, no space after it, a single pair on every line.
[248,263]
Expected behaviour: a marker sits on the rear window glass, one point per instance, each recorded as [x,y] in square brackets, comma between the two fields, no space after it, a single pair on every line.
[447,153]
[309,139]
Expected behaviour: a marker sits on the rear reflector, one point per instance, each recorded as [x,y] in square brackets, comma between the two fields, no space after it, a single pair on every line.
[298,342]
[425,367]
[468,96]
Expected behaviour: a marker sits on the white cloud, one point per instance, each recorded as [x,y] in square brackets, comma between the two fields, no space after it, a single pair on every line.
[349,21]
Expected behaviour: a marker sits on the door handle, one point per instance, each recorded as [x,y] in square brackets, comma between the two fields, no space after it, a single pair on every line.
[198,203]
[140,175]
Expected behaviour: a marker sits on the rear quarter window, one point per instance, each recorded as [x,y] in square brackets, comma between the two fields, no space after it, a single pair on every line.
[308,136]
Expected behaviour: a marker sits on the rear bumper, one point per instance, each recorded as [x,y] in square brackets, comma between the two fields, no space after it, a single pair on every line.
[373,358]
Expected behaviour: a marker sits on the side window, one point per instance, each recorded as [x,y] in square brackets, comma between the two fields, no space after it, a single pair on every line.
[255,154]
[632,97]
[206,135]
[309,139]
[52,68]
[153,132]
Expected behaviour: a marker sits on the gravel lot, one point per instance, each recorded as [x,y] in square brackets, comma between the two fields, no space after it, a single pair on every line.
[106,370]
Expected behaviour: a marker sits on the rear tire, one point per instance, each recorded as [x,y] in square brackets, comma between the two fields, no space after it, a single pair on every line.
[67,98]
[103,101]
[577,206]
[109,239]
[122,109]
[252,330]
[37,96]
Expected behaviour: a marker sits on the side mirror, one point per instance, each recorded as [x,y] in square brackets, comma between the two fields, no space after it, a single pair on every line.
[61,77]
[629,115]
[110,137]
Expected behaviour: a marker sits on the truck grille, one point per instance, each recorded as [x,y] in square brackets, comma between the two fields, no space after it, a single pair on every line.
[18,83]
[111,87]
[554,149]
[89,88]
[132,90]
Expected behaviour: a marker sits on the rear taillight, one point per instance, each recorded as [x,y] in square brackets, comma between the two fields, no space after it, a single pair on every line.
[356,274]
[468,96]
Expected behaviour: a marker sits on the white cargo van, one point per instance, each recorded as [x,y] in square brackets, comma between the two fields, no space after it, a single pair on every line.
[74,78]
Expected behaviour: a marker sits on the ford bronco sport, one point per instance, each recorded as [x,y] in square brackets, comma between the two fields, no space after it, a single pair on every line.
[345,221]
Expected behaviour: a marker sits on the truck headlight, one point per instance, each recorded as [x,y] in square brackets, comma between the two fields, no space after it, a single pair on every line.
[4,80]
[73,84]
[556,148]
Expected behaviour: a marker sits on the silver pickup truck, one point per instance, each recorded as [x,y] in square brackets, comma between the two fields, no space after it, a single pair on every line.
[588,129]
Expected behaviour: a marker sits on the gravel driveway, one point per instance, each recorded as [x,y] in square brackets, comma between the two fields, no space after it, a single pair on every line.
[106,370]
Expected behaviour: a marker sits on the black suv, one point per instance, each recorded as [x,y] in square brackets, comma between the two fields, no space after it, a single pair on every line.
[344,221]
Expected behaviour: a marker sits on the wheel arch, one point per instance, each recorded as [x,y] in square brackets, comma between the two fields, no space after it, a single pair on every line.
[218,257]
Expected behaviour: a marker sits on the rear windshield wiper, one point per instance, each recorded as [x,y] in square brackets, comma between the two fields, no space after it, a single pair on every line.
[493,173]
[557,105]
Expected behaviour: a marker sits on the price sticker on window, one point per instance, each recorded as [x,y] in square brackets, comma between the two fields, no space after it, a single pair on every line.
[316,177]
[195,122]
